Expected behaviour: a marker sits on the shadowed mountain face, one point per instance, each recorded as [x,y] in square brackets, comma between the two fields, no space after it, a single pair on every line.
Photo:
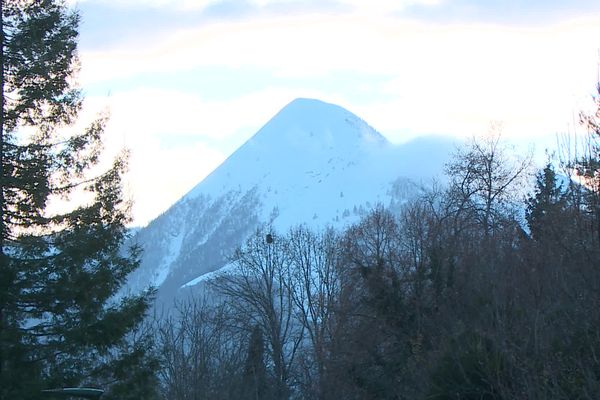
[313,163]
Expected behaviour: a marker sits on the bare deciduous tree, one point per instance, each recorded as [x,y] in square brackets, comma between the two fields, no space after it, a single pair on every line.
[485,180]
[314,286]
[202,355]
[258,288]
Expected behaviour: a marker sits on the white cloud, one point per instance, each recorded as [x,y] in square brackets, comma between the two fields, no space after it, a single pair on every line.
[316,45]
[159,176]
[361,5]
[382,7]
[288,46]
[441,79]
[178,4]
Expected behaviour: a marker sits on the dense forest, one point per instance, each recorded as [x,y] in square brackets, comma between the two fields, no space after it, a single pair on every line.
[472,291]
[478,289]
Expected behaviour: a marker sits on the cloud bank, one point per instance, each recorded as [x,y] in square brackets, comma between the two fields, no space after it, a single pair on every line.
[190,87]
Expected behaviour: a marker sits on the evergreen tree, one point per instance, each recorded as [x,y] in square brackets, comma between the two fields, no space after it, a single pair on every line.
[545,206]
[587,168]
[255,372]
[59,321]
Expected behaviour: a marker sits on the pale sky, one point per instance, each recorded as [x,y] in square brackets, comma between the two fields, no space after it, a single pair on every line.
[188,81]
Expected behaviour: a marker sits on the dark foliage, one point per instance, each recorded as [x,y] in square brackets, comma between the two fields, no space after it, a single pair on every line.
[60,324]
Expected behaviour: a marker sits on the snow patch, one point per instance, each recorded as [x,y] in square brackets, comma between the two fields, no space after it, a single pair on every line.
[227,269]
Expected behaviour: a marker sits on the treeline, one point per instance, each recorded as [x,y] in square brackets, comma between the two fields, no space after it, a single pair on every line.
[472,291]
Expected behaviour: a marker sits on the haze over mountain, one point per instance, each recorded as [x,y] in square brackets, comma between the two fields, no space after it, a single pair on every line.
[313,163]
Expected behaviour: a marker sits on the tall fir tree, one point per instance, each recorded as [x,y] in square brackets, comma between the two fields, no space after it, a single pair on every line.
[60,323]
[587,168]
[546,206]
[255,372]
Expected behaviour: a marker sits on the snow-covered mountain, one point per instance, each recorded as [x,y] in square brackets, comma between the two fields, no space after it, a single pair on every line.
[313,163]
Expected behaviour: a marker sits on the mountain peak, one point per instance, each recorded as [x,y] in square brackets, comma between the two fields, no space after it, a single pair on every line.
[313,163]
[305,135]
[322,122]
[304,105]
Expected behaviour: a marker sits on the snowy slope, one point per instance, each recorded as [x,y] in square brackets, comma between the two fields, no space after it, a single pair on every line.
[313,163]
